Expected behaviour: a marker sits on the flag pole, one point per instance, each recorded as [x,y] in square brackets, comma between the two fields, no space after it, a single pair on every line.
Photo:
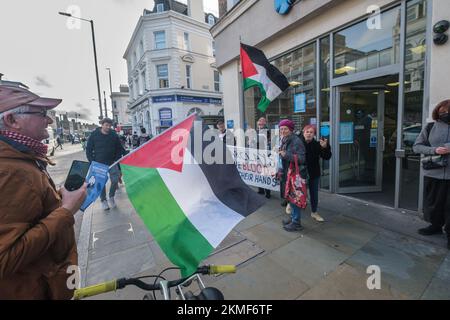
[138,148]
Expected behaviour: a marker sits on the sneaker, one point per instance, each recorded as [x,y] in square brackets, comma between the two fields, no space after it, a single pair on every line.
[112,203]
[316,217]
[287,221]
[430,230]
[105,205]
[292,227]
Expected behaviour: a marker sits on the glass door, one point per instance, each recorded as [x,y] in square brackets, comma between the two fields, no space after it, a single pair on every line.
[360,139]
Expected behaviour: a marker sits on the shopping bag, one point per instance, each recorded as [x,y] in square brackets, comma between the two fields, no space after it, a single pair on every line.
[295,189]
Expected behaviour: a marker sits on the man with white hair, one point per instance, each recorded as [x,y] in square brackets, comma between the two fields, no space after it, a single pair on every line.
[37,239]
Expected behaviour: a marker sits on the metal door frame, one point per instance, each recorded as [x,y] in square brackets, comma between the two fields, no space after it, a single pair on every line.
[380,143]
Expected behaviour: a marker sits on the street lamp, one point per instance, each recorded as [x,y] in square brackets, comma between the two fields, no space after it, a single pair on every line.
[110,86]
[95,58]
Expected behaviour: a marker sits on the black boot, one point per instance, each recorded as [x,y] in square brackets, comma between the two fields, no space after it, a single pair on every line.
[287,221]
[284,203]
[293,226]
[430,230]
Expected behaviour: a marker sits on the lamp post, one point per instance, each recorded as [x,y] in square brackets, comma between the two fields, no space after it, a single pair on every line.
[104,102]
[95,58]
[110,85]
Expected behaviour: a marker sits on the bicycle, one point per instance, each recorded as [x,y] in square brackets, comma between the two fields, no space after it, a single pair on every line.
[206,293]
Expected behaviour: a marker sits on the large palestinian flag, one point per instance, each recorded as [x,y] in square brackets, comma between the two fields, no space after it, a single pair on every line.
[187,205]
[258,71]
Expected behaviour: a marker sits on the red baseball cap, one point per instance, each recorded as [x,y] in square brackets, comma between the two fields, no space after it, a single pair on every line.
[12,97]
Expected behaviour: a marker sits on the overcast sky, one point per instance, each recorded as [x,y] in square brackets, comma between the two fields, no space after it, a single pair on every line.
[40,50]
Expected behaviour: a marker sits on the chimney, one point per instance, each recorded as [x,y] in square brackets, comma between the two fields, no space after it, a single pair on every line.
[195,10]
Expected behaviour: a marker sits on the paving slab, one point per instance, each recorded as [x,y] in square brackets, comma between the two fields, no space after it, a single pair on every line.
[308,259]
[270,235]
[261,280]
[439,287]
[121,264]
[349,283]
[407,268]
[344,234]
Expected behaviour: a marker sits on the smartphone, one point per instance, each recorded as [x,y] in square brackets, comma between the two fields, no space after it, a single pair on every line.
[77,175]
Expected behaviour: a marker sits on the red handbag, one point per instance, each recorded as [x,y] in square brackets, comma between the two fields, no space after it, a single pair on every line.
[295,190]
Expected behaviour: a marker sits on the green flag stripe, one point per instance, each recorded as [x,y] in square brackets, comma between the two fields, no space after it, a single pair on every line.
[183,244]
[264,102]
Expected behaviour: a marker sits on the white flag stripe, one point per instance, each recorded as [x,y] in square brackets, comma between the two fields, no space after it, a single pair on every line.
[190,188]
[272,90]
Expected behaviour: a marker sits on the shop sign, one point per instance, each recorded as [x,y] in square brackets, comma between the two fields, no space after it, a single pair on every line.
[300,102]
[346,133]
[373,138]
[283,6]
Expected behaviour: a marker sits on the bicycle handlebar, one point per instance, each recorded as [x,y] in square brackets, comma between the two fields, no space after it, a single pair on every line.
[123,282]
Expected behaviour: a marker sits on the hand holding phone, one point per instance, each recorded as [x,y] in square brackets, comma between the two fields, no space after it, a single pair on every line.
[73,200]
[77,175]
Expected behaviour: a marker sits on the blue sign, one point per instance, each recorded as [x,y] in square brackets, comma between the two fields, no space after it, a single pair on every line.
[325,131]
[184,98]
[165,117]
[300,102]
[161,99]
[373,138]
[283,6]
[346,133]
[96,179]
[230,124]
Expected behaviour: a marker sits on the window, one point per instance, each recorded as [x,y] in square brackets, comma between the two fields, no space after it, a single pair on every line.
[213,45]
[160,39]
[144,80]
[136,60]
[163,75]
[160,7]
[197,110]
[188,76]
[412,13]
[138,87]
[216,81]
[141,48]
[211,20]
[115,104]
[187,45]
[359,48]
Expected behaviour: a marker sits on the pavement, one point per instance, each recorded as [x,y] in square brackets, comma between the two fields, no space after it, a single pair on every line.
[327,260]
[63,160]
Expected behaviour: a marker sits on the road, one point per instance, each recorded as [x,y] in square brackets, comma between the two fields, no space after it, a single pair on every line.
[63,160]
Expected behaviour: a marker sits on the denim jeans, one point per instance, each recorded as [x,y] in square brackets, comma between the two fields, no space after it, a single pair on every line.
[114,175]
[313,186]
[296,214]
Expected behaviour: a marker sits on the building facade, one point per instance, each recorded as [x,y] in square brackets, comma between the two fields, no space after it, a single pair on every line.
[369,73]
[120,111]
[171,66]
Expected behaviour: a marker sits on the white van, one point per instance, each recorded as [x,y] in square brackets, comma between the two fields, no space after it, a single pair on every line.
[50,142]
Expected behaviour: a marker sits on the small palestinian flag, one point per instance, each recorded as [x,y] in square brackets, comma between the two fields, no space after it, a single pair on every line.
[187,205]
[258,71]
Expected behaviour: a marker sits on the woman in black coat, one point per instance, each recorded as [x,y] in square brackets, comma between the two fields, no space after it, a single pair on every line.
[314,151]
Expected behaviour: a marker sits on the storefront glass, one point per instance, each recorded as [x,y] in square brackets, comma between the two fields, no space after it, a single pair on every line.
[324,128]
[298,66]
[415,49]
[368,45]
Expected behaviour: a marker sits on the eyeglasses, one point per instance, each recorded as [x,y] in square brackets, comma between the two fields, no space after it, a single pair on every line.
[42,113]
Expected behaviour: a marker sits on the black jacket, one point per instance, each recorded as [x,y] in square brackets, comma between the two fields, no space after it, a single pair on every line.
[313,154]
[104,148]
